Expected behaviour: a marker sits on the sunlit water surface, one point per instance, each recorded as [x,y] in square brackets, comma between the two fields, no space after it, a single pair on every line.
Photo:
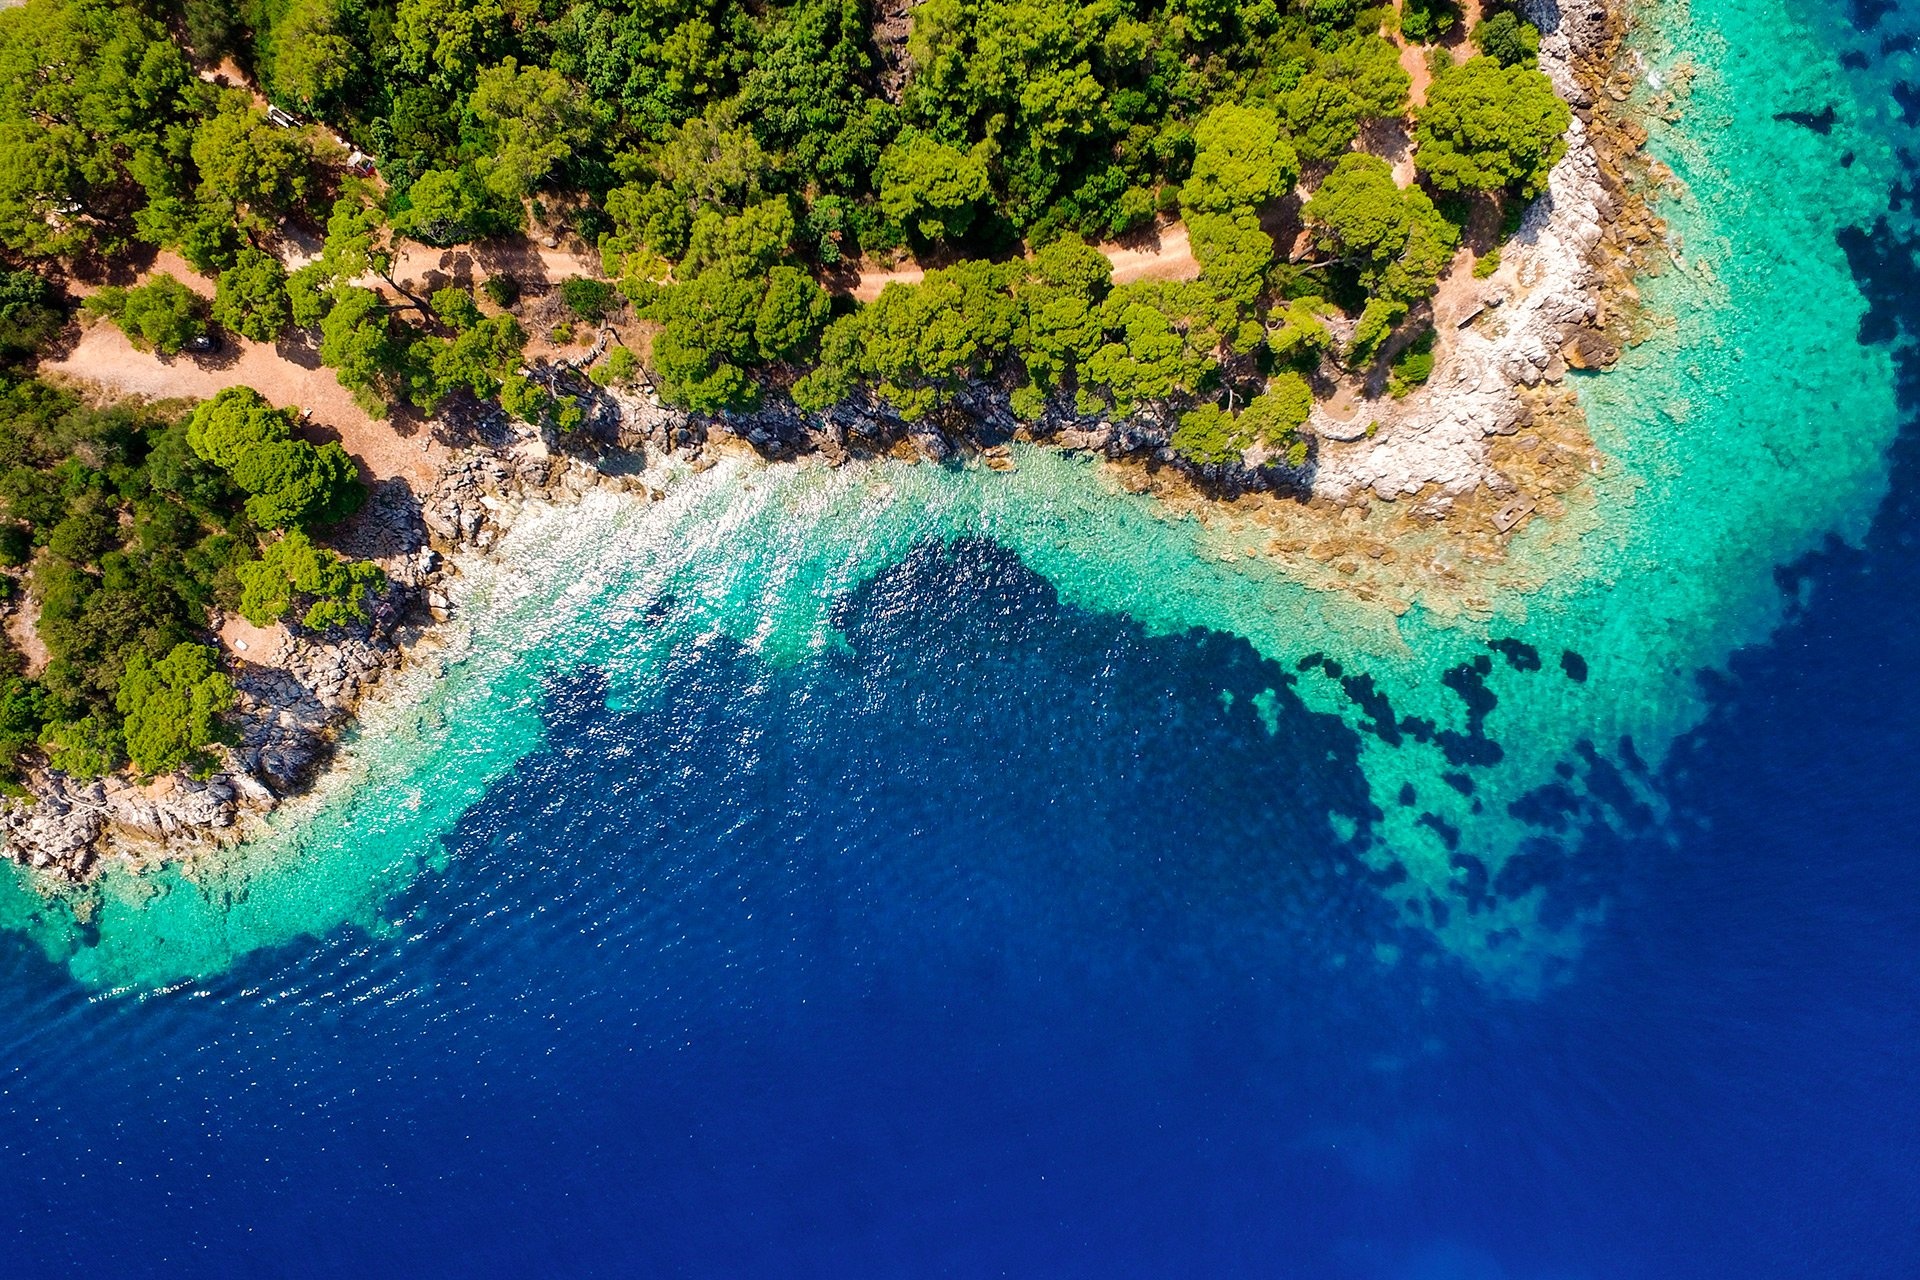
[899,870]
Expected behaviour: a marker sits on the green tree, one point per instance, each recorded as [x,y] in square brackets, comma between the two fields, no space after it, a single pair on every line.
[251,299]
[1210,436]
[92,93]
[1425,21]
[310,294]
[934,188]
[87,747]
[792,312]
[525,399]
[1489,128]
[588,298]
[447,41]
[1358,80]
[1323,117]
[1241,161]
[1508,39]
[355,343]
[1234,252]
[289,482]
[173,708]
[751,241]
[161,315]
[833,379]
[716,159]
[1060,320]
[356,244]
[693,376]
[205,233]
[224,429]
[1146,360]
[1396,239]
[449,206]
[1375,323]
[312,57]
[1276,415]
[249,169]
[1302,330]
[618,369]
[807,96]
[537,117]
[1037,80]
[920,342]
[477,360]
[294,569]
[29,313]
[454,307]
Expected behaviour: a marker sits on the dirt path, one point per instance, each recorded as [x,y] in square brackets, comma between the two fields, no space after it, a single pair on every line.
[105,358]
[1164,254]
[290,376]
[423,268]
[1413,58]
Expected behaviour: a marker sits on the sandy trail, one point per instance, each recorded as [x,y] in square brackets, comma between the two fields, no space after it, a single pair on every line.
[105,358]
[290,375]
[1164,254]
[1413,58]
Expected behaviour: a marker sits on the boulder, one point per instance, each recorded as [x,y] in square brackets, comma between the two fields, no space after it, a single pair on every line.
[1589,349]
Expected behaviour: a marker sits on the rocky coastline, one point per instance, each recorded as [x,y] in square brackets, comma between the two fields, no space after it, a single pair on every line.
[1562,300]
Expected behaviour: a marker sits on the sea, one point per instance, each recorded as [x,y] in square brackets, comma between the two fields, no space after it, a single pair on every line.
[905,871]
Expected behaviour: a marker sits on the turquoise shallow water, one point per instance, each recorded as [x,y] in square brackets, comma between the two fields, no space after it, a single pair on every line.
[903,872]
[1753,427]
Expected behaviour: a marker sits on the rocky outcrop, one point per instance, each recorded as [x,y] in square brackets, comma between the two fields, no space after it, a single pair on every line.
[1513,331]
[61,833]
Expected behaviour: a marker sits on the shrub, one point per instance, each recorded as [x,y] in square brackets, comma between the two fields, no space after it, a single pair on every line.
[502,290]
[618,368]
[1413,366]
[589,299]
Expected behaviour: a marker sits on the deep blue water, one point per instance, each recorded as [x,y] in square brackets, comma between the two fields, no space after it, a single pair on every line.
[1001,943]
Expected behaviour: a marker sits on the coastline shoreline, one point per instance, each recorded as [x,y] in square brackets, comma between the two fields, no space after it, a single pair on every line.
[1565,301]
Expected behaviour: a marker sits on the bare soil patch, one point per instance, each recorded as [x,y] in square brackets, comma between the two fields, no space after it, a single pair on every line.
[104,358]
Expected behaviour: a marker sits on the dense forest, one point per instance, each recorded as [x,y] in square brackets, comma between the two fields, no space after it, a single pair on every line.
[729,161]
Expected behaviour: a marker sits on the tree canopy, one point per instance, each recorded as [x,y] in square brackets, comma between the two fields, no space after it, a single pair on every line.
[1240,161]
[1488,127]
[173,707]
[289,482]
[161,315]
[292,571]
